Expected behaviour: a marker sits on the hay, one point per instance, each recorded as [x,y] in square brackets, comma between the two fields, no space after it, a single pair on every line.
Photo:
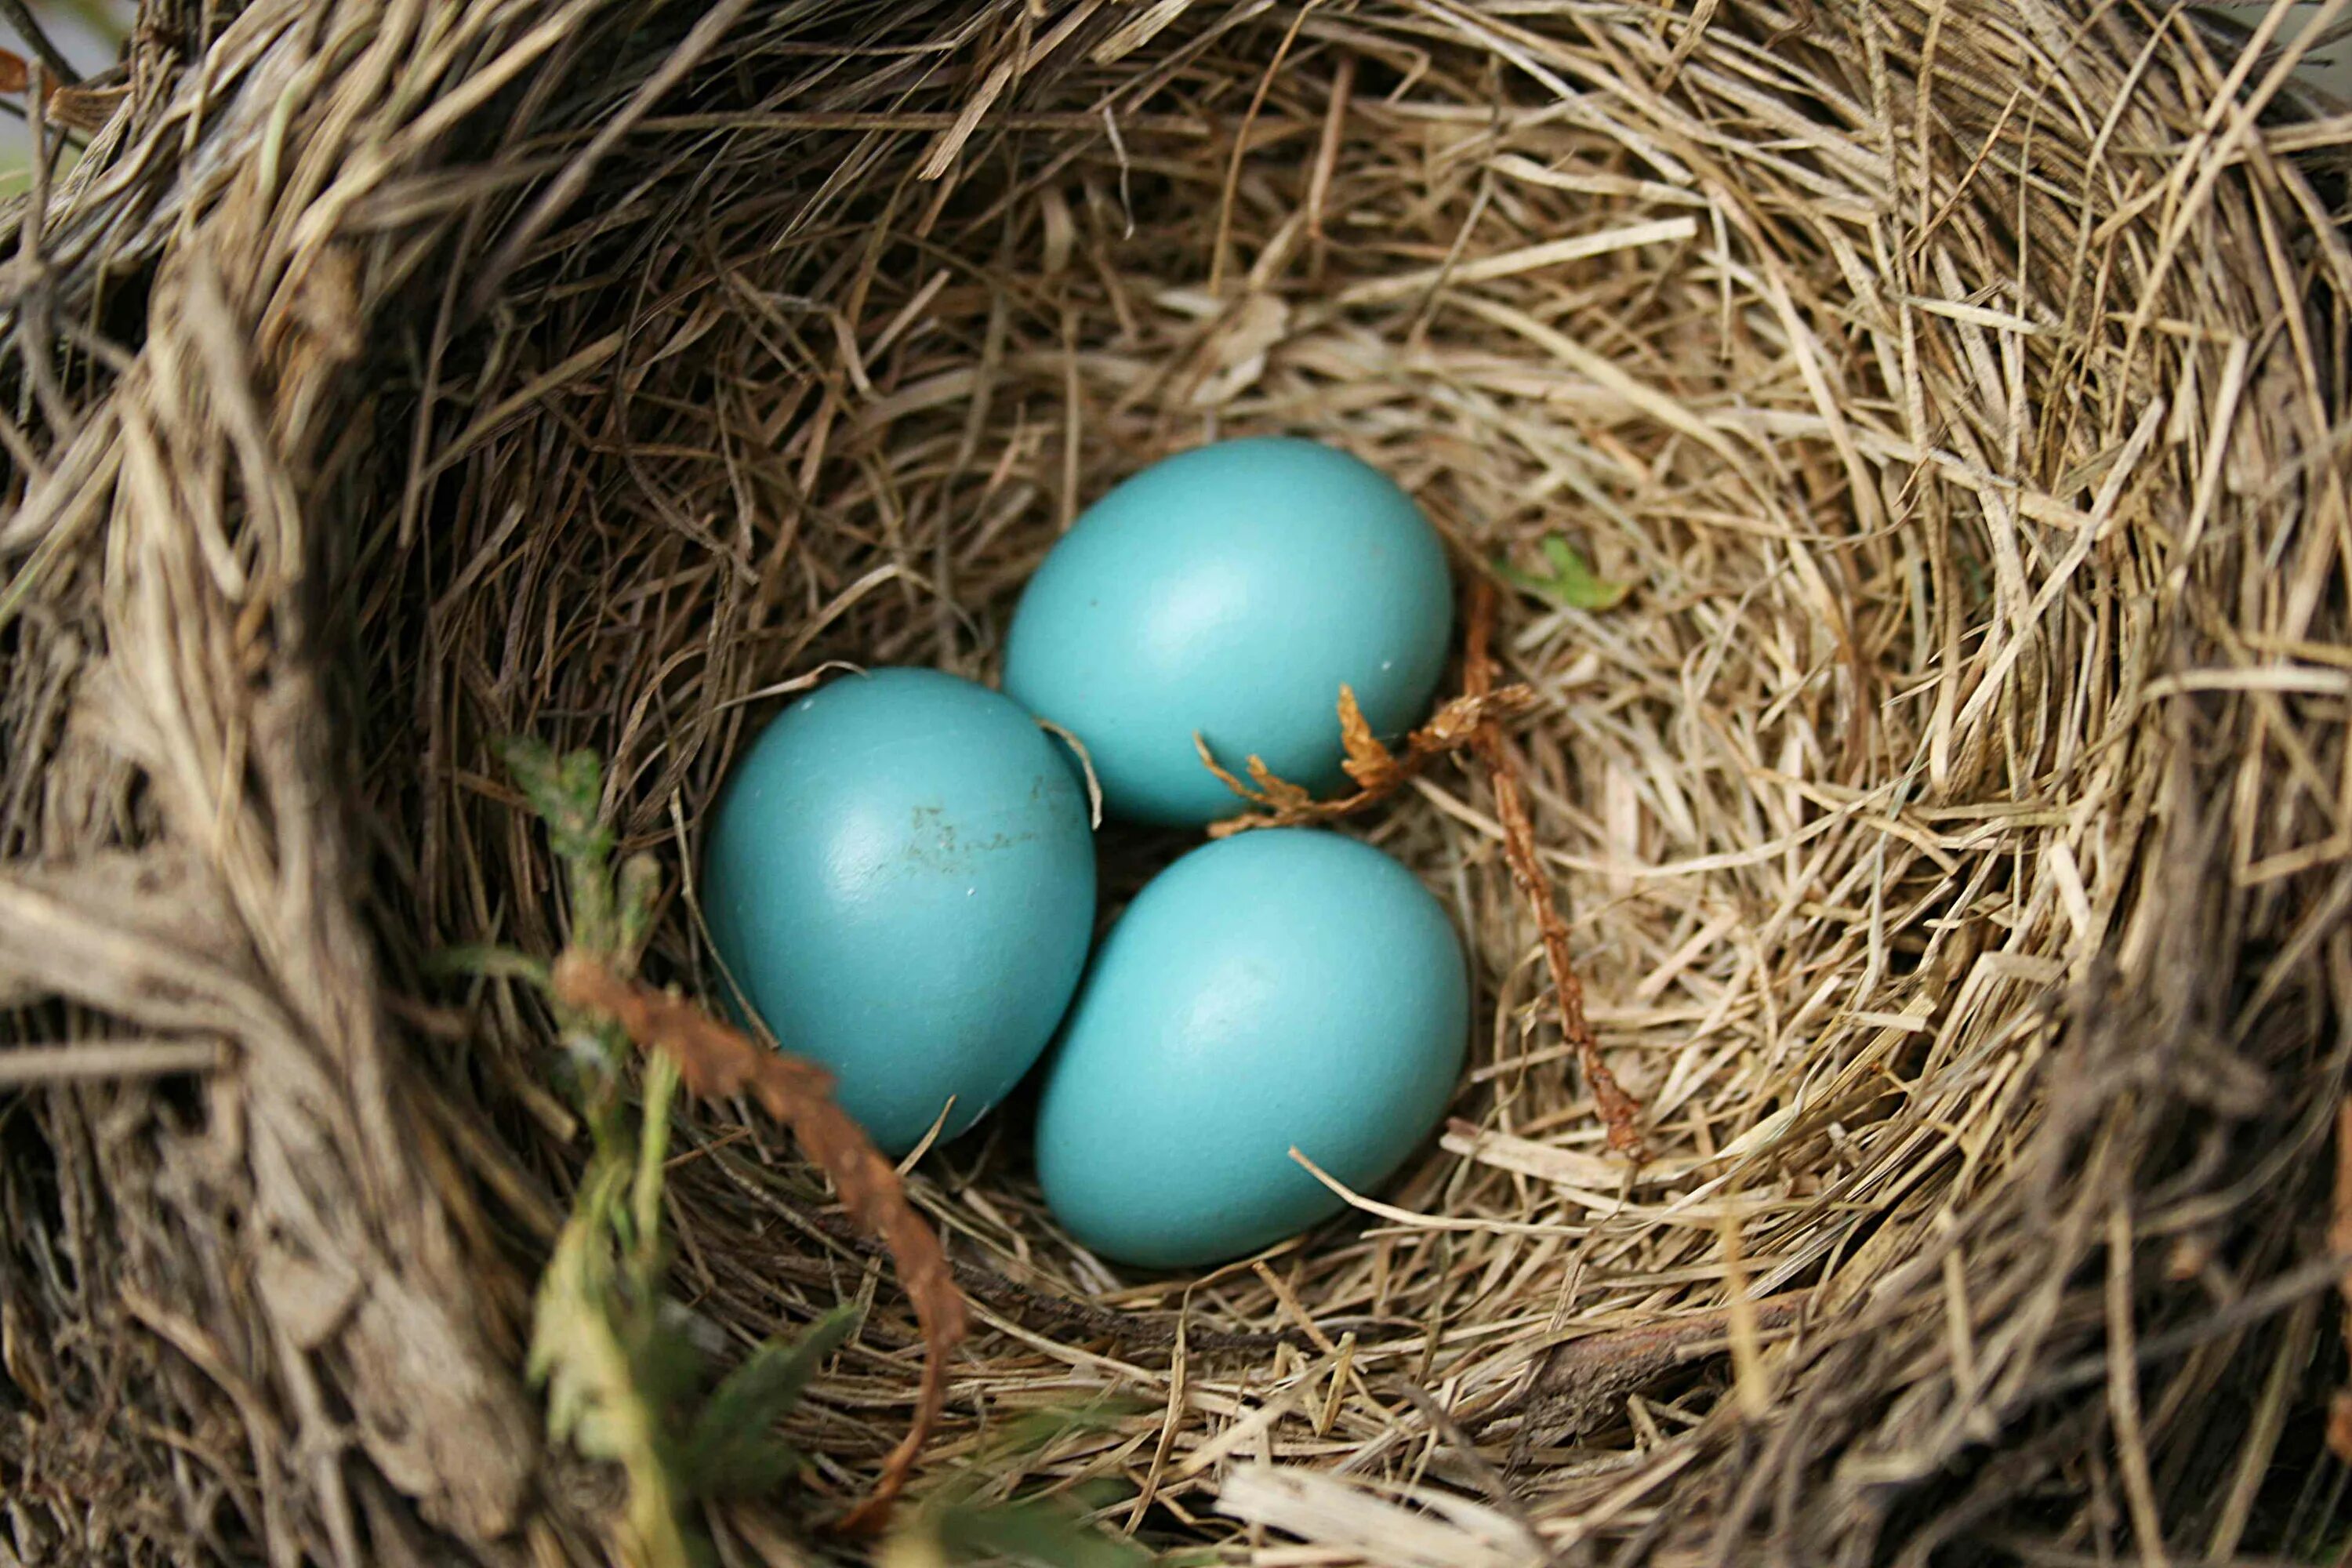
[1952,824]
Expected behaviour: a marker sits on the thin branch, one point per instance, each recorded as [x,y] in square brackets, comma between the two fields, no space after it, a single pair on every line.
[1617,1109]
[20,17]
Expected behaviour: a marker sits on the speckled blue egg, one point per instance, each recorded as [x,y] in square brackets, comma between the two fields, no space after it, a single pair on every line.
[1283,987]
[1231,590]
[900,876]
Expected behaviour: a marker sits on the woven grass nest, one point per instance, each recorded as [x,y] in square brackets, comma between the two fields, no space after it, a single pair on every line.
[1950,822]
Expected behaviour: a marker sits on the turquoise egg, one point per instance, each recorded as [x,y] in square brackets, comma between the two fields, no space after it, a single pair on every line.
[1231,590]
[900,876]
[1282,987]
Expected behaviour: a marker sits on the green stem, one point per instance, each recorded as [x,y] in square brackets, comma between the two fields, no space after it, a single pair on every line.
[653,1149]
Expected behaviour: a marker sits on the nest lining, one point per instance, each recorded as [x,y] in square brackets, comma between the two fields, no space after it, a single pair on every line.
[1942,820]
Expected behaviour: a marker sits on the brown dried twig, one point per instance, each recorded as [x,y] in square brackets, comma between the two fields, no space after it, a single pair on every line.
[716,1061]
[1617,1109]
[1379,772]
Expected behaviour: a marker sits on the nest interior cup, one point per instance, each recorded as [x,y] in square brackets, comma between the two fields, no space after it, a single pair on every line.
[1950,819]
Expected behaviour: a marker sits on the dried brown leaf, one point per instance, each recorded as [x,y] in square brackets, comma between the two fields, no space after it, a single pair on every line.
[82,108]
[1379,772]
[716,1061]
[1369,763]
[1225,774]
[1278,792]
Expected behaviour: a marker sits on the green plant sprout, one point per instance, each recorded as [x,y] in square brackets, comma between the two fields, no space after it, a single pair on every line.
[952,1526]
[609,1347]
[621,1374]
[1570,581]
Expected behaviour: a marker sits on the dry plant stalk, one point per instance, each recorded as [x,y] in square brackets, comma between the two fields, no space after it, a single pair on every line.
[2339,1242]
[716,1061]
[1379,772]
[1617,1109]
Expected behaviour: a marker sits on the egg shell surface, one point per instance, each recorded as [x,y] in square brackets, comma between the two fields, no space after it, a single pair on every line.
[1231,590]
[900,876]
[1282,987]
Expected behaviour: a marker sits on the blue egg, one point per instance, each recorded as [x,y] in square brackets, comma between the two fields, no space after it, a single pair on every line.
[1283,987]
[900,876]
[1231,590]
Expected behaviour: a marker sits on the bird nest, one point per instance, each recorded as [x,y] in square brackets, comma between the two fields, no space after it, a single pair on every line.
[1905,444]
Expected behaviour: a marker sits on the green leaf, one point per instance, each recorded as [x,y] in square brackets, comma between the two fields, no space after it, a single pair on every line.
[653,1146]
[663,1360]
[754,1467]
[729,1450]
[1035,1531]
[613,1365]
[640,890]
[612,1352]
[1570,580]
[576,1348]
[567,791]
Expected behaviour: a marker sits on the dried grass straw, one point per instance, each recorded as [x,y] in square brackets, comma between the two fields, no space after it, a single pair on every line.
[1951,828]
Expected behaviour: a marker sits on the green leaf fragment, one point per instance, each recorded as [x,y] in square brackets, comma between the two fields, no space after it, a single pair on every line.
[619,1370]
[1033,1531]
[729,1451]
[1570,580]
[640,891]
[566,791]
[653,1147]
